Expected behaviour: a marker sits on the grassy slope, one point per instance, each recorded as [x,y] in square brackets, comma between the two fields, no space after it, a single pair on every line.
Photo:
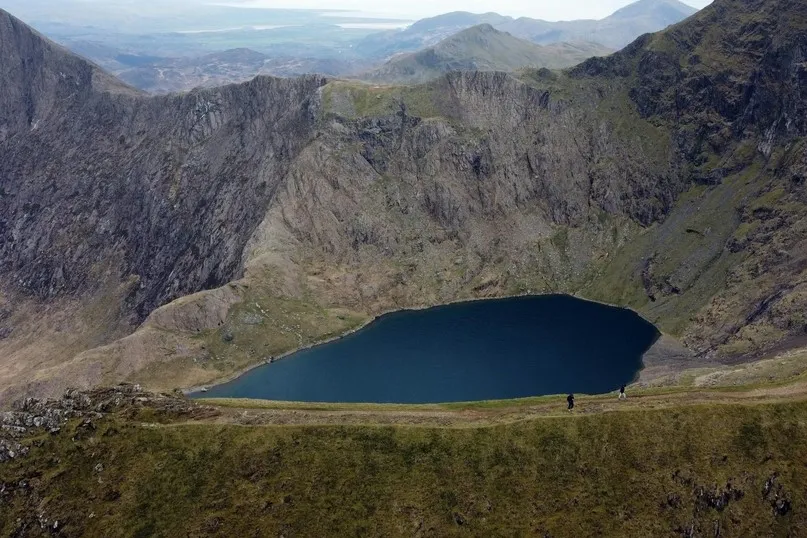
[636,472]
[259,327]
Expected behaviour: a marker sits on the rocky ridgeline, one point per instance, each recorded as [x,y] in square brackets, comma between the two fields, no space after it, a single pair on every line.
[31,416]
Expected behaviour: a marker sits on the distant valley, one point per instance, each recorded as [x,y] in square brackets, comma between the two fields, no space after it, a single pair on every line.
[216,69]
[225,46]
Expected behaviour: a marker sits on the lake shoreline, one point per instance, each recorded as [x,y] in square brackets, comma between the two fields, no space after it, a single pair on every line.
[200,390]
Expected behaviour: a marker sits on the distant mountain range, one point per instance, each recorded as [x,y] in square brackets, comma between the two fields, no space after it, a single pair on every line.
[164,62]
[614,31]
[481,48]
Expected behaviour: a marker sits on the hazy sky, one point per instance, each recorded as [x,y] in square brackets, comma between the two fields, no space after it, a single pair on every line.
[540,9]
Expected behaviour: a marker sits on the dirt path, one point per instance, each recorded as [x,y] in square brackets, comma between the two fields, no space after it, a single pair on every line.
[476,415]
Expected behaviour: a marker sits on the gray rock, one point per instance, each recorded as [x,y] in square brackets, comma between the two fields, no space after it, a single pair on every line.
[10,450]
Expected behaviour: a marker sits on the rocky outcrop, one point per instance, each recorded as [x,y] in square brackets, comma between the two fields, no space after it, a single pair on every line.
[31,415]
[751,84]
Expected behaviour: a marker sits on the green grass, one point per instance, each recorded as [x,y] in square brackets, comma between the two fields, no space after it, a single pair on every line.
[768,200]
[263,326]
[632,473]
[688,250]
[359,100]
[561,240]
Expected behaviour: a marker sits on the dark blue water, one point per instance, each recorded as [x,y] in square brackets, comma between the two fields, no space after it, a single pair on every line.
[498,349]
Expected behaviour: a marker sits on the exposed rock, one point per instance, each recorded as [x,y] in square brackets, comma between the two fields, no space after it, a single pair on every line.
[768,487]
[782,507]
[716,498]
[774,492]
[143,203]
[10,450]
[32,415]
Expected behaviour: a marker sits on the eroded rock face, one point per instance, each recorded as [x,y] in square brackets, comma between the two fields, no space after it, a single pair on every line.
[164,191]
[682,78]
[167,189]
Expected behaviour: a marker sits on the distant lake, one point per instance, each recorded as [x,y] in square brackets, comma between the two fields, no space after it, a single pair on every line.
[479,350]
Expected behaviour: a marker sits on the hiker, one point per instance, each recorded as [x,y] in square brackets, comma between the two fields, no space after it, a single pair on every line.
[570,399]
[622,394]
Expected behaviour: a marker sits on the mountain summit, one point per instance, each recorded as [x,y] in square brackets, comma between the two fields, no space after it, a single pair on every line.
[39,76]
[612,32]
[665,12]
[481,48]
[615,31]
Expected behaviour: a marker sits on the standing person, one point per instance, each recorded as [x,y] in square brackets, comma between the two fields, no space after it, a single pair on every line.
[622,394]
[570,399]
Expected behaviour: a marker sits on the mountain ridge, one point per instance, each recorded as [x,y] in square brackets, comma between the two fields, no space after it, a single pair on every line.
[35,90]
[480,48]
[668,177]
[615,31]
[641,17]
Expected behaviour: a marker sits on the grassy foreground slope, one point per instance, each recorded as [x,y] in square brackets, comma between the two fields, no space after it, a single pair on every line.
[700,470]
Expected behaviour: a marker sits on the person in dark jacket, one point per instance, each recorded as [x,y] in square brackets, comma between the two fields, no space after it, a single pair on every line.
[622,394]
[570,399]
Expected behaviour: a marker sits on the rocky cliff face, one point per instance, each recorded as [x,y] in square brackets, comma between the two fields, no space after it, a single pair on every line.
[729,85]
[668,177]
[166,190]
[738,64]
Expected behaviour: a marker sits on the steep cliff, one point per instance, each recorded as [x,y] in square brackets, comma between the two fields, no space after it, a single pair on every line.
[727,269]
[669,177]
[173,186]
[100,185]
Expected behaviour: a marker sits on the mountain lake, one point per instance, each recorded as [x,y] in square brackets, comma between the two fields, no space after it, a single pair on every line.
[478,350]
